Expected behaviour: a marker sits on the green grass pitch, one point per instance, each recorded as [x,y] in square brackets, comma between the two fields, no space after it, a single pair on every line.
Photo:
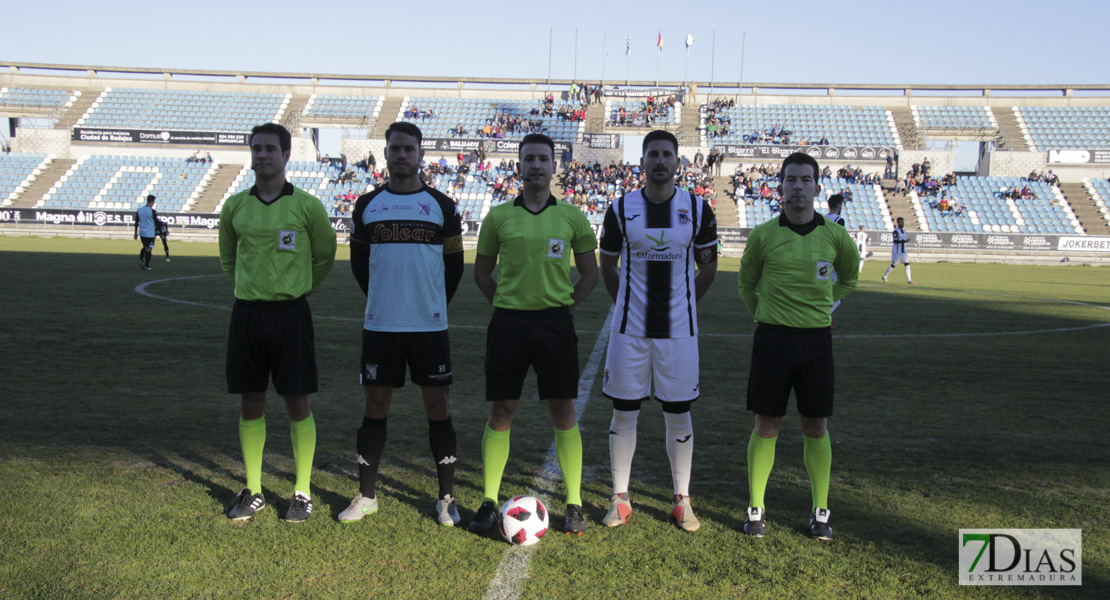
[976,399]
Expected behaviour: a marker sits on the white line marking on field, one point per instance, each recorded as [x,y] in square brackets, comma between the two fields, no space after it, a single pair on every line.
[141,289]
[513,569]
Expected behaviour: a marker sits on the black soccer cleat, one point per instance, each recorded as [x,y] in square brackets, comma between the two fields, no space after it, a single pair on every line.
[756,525]
[575,521]
[819,526]
[485,519]
[300,508]
[244,505]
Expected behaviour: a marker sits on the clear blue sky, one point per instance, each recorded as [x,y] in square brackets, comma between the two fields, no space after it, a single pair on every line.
[935,41]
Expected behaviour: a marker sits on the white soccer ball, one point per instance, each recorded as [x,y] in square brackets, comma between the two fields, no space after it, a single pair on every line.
[523,520]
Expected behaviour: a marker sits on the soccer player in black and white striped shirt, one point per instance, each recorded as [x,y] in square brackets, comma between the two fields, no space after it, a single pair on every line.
[898,251]
[650,242]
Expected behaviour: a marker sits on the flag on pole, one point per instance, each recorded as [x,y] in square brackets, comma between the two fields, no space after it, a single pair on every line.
[689,40]
[628,45]
[660,42]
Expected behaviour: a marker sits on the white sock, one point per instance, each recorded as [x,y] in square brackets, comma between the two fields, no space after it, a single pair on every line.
[622,446]
[680,449]
[861,265]
[888,270]
[908,276]
[833,309]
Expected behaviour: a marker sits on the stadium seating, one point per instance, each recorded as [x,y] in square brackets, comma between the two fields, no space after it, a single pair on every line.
[1099,189]
[985,210]
[868,206]
[128,108]
[32,98]
[123,183]
[473,113]
[843,125]
[315,177]
[972,118]
[17,171]
[343,107]
[667,116]
[1057,127]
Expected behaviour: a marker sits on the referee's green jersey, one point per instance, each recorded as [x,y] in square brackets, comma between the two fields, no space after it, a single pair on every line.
[534,252]
[279,250]
[786,274]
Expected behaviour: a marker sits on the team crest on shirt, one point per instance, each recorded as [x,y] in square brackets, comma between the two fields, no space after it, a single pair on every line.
[824,270]
[555,247]
[425,208]
[683,216]
[287,240]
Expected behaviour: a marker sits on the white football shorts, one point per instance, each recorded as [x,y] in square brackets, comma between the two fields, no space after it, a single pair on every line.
[633,363]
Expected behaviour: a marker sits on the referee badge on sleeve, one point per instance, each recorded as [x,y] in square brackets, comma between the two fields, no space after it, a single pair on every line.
[287,239]
[824,270]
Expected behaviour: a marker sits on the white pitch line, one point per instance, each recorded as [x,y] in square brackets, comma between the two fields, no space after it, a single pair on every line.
[513,569]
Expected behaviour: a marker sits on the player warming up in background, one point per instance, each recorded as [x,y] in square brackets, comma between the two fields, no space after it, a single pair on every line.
[277,246]
[898,251]
[533,238]
[786,284]
[835,202]
[146,228]
[163,231]
[406,254]
[861,246]
[651,240]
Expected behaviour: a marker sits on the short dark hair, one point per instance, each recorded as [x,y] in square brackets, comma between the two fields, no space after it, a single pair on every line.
[536,138]
[285,139]
[406,128]
[900,219]
[150,198]
[659,134]
[800,158]
[836,200]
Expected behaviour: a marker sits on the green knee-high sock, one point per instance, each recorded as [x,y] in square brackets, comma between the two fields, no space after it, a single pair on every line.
[303,434]
[568,449]
[818,459]
[761,457]
[495,454]
[252,438]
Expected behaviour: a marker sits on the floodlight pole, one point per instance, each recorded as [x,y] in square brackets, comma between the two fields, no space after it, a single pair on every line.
[712,63]
[743,45]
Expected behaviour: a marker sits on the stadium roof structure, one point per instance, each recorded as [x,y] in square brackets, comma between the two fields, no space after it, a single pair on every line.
[263,77]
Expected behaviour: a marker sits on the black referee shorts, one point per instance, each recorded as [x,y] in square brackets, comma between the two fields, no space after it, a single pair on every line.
[271,339]
[784,359]
[542,339]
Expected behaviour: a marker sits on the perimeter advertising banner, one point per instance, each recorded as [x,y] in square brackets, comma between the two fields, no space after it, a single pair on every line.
[1092,156]
[777,152]
[159,136]
[733,236]
[489,145]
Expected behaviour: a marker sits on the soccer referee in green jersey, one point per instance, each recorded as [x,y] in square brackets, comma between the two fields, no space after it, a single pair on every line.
[277,245]
[534,237]
[787,284]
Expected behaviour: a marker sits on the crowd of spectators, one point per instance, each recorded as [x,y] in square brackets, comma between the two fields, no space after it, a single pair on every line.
[718,123]
[197,158]
[647,112]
